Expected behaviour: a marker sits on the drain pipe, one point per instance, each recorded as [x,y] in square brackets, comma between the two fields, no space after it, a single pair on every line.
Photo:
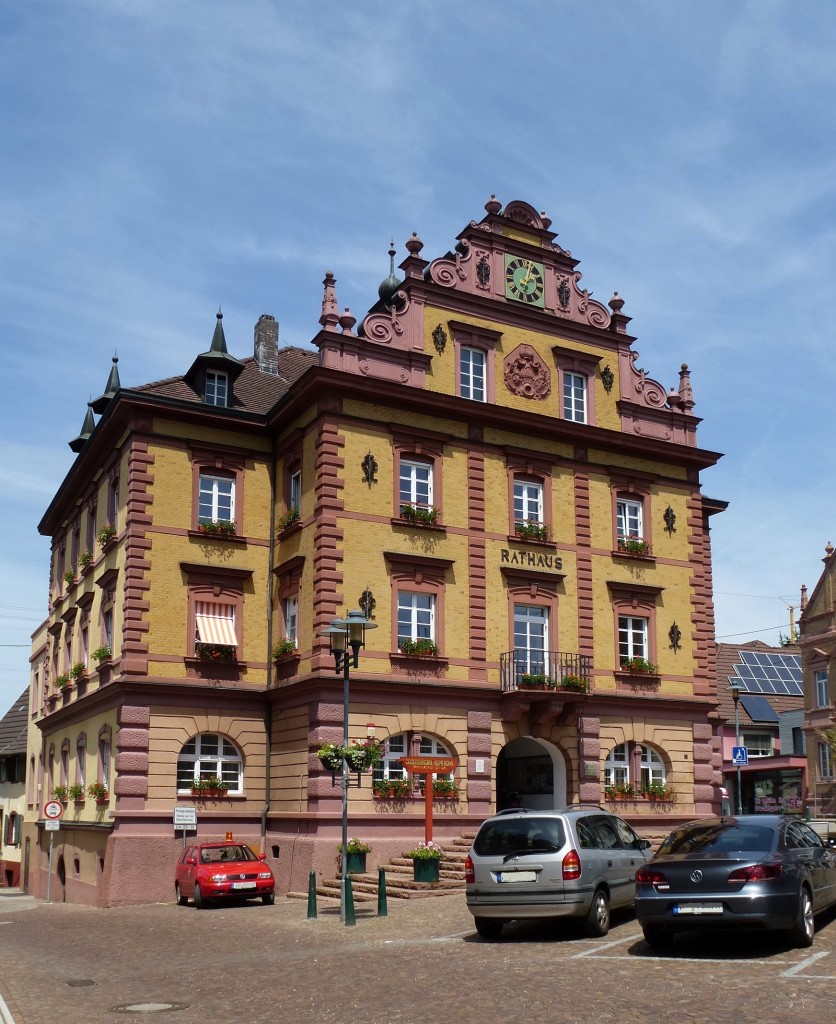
[268,725]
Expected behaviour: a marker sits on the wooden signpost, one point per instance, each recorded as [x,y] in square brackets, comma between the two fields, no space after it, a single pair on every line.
[429,766]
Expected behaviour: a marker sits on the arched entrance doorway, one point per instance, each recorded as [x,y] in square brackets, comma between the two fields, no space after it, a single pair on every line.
[530,773]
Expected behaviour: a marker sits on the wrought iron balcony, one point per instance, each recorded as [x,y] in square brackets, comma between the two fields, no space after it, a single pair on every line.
[527,669]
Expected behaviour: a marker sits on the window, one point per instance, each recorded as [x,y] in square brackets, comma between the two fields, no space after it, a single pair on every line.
[472,374]
[214,628]
[104,759]
[113,501]
[107,627]
[822,696]
[652,768]
[65,763]
[629,519]
[574,397]
[528,501]
[390,767]
[291,620]
[216,499]
[799,746]
[81,760]
[429,746]
[90,531]
[824,760]
[416,616]
[416,484]
[295,491]
[217,385]
[210,755]
[759,744]
[632,638]
[84,646]
[531,630]
[14,823]
[617,766]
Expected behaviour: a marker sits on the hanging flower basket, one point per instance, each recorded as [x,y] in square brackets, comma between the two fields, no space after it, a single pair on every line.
[331,757]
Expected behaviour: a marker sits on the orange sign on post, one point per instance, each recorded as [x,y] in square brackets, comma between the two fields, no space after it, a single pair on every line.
[428,766]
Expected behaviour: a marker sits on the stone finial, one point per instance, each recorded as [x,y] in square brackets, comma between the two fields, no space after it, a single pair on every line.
[347,322]
[493,205]
[414,245]
[803,601]
[330,318]
[828,551]
[616,303]
[546,221]
[685,392]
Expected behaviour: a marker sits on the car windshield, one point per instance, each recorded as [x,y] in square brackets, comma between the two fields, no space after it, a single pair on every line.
[502,837]
[215,854]
[720,838]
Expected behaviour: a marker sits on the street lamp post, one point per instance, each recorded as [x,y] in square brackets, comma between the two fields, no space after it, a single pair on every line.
[345,639]
[735,692]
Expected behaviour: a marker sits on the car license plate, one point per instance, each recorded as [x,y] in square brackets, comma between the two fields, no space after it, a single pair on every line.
[243,885]
[517,876]
[698,908]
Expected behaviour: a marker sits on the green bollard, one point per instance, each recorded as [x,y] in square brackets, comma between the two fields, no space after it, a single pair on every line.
[381,894]
[349,902]
[312,896]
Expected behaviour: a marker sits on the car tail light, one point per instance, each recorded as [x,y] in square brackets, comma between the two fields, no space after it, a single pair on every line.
[756,873]
[469,874]
[571,866]
[659,881]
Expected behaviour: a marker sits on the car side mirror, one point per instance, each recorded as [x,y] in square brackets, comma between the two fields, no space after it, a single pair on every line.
[644,844]
[191,860]
[262,856]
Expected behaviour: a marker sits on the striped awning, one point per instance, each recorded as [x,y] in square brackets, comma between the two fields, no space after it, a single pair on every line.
[216,623]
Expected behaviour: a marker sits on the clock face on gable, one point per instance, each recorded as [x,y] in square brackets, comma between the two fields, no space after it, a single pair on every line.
[524,280]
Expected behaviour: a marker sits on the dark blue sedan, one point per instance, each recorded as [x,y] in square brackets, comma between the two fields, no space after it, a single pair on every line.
[755,871]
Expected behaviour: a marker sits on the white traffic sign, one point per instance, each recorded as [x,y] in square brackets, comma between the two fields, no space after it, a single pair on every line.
[53,809]
[51,825]
[740,755]
[185,817]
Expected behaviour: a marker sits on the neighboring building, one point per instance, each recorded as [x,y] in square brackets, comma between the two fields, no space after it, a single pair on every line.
[483,469]
[12,789]
[770,717]
[817,640]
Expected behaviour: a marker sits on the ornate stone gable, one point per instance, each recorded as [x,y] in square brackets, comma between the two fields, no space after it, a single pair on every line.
[526,374]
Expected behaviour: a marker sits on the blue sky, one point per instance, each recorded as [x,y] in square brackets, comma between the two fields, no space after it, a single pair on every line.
[163,157]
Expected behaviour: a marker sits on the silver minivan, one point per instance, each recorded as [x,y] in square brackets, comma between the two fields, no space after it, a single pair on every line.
[577,862]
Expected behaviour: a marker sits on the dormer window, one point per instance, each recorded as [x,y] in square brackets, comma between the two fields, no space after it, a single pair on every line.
[217,388]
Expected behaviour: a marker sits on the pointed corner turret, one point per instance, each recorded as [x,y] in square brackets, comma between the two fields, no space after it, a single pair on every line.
[113,385]
[87,429]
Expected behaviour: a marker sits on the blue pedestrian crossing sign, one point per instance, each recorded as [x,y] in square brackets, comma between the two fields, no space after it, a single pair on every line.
[740,755]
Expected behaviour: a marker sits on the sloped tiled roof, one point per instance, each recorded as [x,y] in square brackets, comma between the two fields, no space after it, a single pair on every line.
[253,390]
[727,656]
[13,727]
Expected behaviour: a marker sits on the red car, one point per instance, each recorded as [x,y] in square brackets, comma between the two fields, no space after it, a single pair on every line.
[212,871]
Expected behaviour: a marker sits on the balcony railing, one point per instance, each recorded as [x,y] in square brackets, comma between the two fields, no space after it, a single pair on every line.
[525,669]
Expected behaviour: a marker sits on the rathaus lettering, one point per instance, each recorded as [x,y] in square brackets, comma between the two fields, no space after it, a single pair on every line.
[531,560]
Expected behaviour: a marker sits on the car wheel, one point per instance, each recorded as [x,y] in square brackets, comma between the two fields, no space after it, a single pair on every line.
[268,899]
[598,919]
[805,928]
[488,928]
[199,902]
[658,937]
[181,899]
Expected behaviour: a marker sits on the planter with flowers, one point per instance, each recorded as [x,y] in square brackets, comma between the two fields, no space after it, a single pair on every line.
[575,683]
[85,561]
[76,792]
[633,546]
[423,647]
[70,578]
[639,666]
[284,649]
[105,536]
[445,789]
[63,681]
[531,530]
[210,786]
[391,789]
[289,519]
[659,792]
[355,855]
[214,652]
[426,858]
[217,527]
[98,792]
[102,654]
[419,515]
[331,756]
[60,793]
[620,791]
[534,681]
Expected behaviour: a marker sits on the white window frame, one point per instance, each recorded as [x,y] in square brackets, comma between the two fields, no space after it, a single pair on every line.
[528,501]
[295,491]
[215,498]
[633,637]
[531,638]
[416,616]
[291,619]
[207,755]
[759,744]
[824,760]
[617,766]
[429,746]
[822,695]
[416,483]
[473,373]
[574,397]
[216,388]
[629,519]
[390,767]
[104,760]
[652,766]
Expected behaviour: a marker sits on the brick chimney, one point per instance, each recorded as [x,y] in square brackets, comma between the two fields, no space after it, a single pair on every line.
[266,344]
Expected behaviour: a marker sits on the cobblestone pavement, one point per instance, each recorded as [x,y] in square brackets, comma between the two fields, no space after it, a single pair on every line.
[248,963]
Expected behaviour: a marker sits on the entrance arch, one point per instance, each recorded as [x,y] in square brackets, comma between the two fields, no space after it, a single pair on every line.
[530,773]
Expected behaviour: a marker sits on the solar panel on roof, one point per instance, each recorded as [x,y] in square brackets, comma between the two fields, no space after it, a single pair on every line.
[770,673]
[758,708]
